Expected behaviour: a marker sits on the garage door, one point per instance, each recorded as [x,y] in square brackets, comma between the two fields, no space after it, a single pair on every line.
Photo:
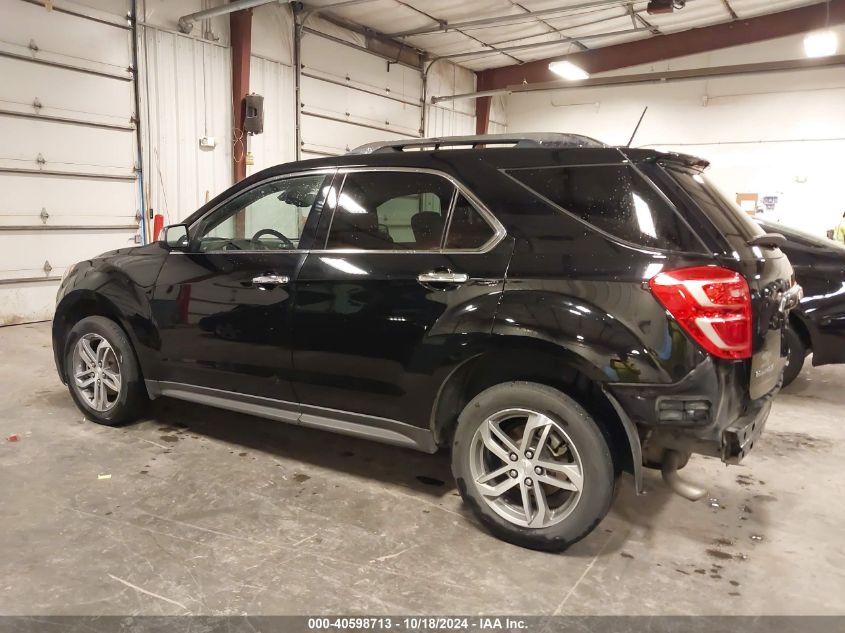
[68,184]
[350,97]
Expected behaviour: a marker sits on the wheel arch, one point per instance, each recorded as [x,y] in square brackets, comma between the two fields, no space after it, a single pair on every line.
[76,306]
[798,324]
[532,360]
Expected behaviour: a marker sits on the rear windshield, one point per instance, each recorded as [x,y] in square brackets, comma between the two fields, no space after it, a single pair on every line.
[615,199]
[736,225]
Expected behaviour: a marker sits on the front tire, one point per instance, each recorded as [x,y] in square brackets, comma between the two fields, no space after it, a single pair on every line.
[533,465]
[796,353]
[102,372]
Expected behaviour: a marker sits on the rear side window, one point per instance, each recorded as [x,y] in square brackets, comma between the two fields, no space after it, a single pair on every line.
[614,199]
[390,211]
[467,229]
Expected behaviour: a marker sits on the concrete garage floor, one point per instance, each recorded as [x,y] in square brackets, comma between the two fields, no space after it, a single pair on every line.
[208,512]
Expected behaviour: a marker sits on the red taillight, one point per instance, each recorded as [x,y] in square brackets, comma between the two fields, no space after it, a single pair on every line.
[712,304]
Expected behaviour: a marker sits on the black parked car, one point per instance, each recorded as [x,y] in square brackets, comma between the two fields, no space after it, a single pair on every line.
[817,325]
[554,310]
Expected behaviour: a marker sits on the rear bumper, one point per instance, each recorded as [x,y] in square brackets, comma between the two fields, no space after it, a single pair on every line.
[708,413]
[739,438]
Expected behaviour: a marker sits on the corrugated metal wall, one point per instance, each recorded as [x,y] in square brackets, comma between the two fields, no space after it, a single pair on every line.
[449,118]
[275,81]
[186,88]
[498,115]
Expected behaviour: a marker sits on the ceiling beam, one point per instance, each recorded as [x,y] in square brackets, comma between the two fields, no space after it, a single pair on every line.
[730,9]
[658,48]
[661,77]
[378,42]
[500,20]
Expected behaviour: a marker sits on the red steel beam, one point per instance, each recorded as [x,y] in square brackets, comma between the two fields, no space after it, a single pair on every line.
[482,106]
[658,48]
[240,27]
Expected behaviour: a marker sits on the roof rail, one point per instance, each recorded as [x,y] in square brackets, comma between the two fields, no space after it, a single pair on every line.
[487,140]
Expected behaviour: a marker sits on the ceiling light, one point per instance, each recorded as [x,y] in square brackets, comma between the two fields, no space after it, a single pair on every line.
[569,71]
[820,44]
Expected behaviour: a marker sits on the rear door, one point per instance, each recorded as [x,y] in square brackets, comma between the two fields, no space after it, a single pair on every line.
[767,270]
[223,307]
[405,285]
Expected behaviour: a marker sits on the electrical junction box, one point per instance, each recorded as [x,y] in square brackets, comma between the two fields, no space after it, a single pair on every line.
[254,120]
[208,142]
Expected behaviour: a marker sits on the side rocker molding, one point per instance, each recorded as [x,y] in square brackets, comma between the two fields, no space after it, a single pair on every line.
[360,425]
[633,441]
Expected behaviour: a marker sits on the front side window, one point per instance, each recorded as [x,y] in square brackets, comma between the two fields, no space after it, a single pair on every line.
[389,210]
[615,199]
[271,216]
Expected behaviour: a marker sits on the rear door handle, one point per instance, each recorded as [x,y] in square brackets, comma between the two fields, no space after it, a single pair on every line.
[270,280]
[442,277]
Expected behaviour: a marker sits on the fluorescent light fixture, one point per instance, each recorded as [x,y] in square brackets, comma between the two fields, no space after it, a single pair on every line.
[821,44]
[569,71]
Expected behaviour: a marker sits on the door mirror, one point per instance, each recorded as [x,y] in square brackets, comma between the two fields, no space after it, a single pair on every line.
[175,236]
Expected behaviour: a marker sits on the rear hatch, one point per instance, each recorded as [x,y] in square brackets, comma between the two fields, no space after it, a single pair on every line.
[741,245]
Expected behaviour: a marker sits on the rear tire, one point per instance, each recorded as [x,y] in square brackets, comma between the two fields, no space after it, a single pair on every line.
[102,372]
[796,353]
[545,489]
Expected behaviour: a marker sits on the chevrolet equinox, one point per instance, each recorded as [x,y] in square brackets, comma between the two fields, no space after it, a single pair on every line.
[553,310]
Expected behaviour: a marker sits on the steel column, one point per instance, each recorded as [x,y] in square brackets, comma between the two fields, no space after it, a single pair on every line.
[240,26]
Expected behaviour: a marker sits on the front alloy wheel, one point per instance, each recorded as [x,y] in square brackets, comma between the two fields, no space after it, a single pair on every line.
[533,465]
[102,372]
[96,375]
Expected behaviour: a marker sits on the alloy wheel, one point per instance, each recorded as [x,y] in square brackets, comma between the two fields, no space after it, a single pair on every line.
[96,372]
[526,468]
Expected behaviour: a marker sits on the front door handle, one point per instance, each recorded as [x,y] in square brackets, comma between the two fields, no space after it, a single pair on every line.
[442,277]
[270,280]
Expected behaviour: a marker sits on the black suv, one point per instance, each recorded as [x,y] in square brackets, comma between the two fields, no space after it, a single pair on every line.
[817,325]
[555,310]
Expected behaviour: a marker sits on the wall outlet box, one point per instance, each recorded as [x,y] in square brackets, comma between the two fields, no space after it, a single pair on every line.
[208,142]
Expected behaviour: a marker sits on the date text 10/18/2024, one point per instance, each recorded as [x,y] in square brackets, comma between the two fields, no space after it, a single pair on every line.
[417,623]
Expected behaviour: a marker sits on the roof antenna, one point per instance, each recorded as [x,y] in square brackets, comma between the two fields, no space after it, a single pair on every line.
[636,129]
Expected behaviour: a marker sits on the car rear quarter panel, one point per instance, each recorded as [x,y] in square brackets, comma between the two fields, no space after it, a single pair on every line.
[590,298]
[585,292]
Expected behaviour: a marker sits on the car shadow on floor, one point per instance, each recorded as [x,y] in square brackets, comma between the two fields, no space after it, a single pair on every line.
[173,423]
[424,473]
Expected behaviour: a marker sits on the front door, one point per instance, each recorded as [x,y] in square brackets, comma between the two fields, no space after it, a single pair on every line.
[223,307]
[394,300]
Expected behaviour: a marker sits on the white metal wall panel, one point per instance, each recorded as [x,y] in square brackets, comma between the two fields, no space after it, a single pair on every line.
[67,201]
[186,88]
[498,115]
[68,152]
[440,121]
[350,97]
[449,118]
[65,147]
[277,144]
[94,98]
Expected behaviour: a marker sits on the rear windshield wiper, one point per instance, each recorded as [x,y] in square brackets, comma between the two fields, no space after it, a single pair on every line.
[774,240]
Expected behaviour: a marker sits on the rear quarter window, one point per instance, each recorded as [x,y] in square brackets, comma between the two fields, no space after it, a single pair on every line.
[731,221]
[615,199]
